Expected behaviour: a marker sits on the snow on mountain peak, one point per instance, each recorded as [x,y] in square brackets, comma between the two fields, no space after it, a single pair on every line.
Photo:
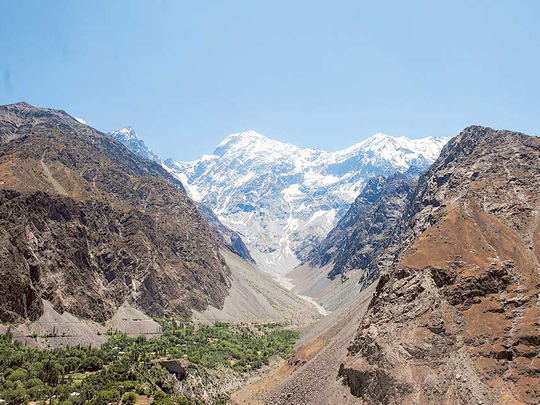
[127,133]
[129,138]
[246,136]
[282,198]
[399,152]
[253,145]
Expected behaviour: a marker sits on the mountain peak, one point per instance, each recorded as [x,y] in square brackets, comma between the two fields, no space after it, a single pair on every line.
[130,139]
[278,195]
[248,136]
[380,136]
[251,142]
[126,132]
[20,104]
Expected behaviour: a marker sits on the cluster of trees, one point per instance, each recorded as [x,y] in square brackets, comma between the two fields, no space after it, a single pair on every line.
[125,367]
[76,375]
[242,347]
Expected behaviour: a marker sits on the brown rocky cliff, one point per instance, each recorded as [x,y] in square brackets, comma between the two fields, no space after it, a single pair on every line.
[86,224]
[457,320]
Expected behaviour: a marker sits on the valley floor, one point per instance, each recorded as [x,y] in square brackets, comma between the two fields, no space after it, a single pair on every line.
[310,376]
[256,297]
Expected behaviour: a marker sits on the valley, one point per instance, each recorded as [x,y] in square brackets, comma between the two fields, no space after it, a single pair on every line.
[395,271]
[281,199]
[269,202]
[134,368]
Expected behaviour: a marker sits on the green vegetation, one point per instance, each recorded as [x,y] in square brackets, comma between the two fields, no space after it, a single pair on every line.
[124,367]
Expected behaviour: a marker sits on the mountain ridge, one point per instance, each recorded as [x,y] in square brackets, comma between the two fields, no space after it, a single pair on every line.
[362,234]
[303,191]
[229,238]
[456,318]
[88,225]
[283,199]
[130,139]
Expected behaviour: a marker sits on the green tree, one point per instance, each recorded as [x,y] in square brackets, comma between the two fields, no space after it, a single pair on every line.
[51,372]
[15,397]
[129,398]
[160,398]
[91,363]
[106,396]
[17,375]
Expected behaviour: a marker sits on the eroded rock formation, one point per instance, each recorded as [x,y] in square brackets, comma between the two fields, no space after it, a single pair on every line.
[457,320]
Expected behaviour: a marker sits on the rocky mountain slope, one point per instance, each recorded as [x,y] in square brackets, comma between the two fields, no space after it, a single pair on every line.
[364,232]
[87,225]
[309,377]
[282,199]
[226,236]
[256,297]
[253,296]
[456,320]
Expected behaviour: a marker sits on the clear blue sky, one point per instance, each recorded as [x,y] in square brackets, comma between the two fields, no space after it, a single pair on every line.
[318,74]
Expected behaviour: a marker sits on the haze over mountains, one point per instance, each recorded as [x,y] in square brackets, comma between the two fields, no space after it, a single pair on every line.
[282,199]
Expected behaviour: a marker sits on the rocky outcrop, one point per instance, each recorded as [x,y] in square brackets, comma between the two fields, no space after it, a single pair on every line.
[88,225]
[456,320]
[129,138]
[228,238]
[361,239]
[179,368]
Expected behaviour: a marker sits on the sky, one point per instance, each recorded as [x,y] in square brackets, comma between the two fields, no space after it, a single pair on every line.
[325,74]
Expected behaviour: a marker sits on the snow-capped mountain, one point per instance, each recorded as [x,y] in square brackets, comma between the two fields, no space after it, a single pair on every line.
[283,199]
[130,139]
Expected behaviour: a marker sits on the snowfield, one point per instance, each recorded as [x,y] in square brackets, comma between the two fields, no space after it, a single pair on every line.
[283,199]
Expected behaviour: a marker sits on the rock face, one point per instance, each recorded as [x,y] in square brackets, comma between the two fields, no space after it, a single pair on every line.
[176,367]
[86,225]
[282,199]
[361,239]
[226,236]
[456,320]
